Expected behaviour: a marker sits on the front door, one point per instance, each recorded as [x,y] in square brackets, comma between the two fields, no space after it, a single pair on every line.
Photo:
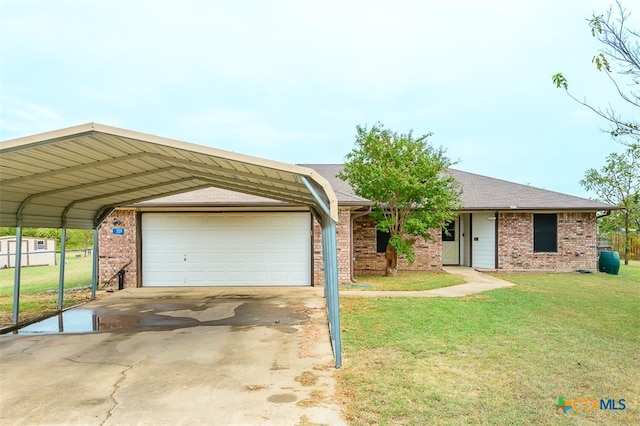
[483,244]
[451,243]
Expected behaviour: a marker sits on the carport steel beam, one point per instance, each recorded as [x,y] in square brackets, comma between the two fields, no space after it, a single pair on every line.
[330,257]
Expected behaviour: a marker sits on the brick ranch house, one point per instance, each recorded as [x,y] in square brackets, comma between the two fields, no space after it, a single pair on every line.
[209,236]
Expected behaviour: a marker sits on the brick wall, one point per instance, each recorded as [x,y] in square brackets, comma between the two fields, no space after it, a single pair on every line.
[116,250]
[576,243]
[368,262]
[576,247]
[343,231]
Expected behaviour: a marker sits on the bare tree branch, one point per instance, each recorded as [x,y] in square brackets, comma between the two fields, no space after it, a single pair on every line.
[622,48]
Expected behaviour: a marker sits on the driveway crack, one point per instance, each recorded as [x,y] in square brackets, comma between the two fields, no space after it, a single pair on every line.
[116,387]
[77,361]
[25,350]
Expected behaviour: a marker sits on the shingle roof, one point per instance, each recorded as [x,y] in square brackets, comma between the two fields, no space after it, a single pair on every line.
[211,197]
[220,197]
[344,192]
[479,193]
[486,193]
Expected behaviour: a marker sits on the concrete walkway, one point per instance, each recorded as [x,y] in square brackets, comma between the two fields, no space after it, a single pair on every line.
[476,282]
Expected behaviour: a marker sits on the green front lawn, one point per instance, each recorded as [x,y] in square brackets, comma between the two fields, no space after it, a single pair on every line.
[499,357]
[406,281]
[38,287]
[38,279]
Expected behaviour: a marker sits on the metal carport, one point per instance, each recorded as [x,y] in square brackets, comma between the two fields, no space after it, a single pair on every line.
[74,177]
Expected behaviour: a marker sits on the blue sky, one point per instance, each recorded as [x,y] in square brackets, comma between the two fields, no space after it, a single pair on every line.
[290,80]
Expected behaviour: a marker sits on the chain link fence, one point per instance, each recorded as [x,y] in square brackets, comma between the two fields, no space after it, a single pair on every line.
[39,282]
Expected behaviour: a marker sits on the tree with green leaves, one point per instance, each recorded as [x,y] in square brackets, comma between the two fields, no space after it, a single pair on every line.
[407,180]
[618,182]
[619,59]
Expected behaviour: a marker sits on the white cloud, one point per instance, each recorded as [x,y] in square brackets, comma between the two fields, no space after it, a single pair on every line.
[21,117]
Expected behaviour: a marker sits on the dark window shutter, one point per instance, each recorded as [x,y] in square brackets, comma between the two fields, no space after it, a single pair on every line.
[545,233]
[382,239]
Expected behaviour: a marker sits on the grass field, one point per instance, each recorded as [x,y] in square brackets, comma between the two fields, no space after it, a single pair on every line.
[38,289]
[406,281]
[500,357]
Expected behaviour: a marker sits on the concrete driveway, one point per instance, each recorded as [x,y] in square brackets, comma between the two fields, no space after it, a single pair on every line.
[179,356]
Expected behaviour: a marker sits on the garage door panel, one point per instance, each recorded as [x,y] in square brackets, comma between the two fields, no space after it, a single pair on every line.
[258,276]
[258,258]
[213,249]
[236,277]
[177,278]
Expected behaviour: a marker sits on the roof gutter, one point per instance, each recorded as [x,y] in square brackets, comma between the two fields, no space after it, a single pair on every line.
[605,214]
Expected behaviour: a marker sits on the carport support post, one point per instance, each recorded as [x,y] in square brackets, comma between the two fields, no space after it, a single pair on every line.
[330,254]
[330,258]
[63,250]
[16,274]
[94,270]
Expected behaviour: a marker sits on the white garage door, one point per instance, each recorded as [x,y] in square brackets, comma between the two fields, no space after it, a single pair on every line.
[226,249]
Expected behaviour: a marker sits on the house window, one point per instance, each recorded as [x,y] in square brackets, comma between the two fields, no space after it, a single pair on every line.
[382,239]
[39,245]
[449,231]
[545,233]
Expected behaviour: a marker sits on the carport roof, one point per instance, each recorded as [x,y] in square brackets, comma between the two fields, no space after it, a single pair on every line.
[74,177]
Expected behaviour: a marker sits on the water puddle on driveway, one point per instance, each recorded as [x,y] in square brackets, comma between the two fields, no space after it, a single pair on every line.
[240,314]
[80,321]
[72,321]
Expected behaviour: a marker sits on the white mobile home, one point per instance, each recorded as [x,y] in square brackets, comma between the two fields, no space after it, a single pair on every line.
[35,251]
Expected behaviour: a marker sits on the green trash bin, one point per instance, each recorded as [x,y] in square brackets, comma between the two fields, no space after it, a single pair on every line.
[609,262]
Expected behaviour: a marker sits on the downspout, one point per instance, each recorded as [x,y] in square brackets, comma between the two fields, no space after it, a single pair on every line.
[353,220]
[497,236]
[600,216]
